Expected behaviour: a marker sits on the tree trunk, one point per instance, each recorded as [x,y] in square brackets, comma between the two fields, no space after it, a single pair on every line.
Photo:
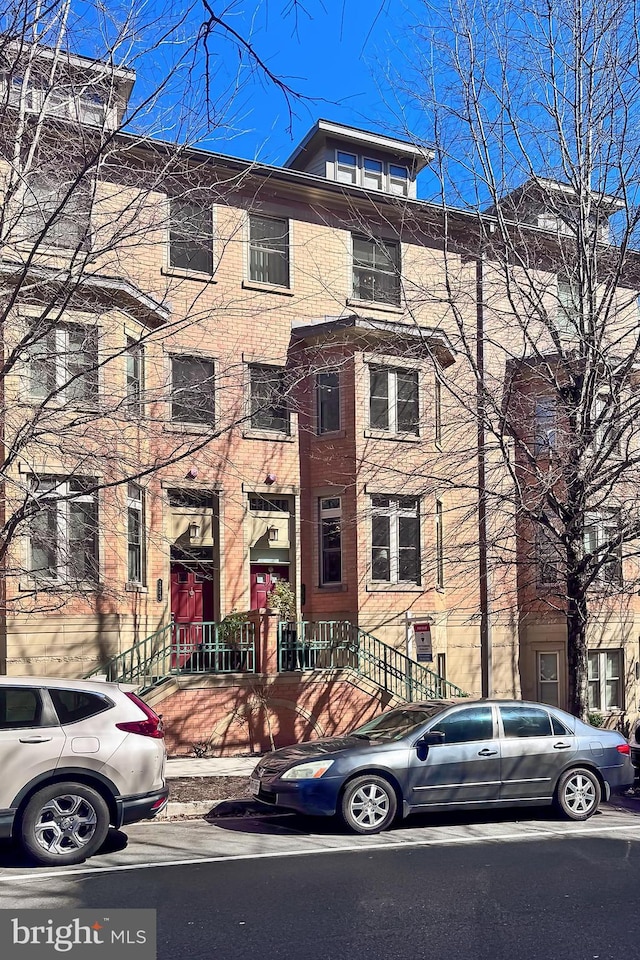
[577,660]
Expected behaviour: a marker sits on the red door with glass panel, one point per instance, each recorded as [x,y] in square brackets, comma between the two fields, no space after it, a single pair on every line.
[191,604]
[263,580]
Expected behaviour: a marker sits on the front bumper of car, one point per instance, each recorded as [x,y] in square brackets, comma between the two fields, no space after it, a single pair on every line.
[314,798]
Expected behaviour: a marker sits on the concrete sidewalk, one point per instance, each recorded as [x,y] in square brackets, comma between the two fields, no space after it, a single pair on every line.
[210,767]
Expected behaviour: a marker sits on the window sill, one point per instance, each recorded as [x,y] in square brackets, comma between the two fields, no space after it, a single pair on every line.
[333,587]
[57,586]
[267,288]
[201,275]
[398,437]
[372,305]
[131,587]
[200,428]
[394,588]
[274,435]
[331,435]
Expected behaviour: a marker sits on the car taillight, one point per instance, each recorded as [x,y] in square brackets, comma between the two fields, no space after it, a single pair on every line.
[151,727]
[623,748]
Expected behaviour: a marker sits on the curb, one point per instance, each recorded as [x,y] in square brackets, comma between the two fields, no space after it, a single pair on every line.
[214,809]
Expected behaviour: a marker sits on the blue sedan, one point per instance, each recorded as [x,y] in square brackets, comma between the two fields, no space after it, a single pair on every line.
[444,755]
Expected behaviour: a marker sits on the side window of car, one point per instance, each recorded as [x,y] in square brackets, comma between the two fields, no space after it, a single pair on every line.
[559,729]
[525,722]
[74,705]
[465,726]
[20,707]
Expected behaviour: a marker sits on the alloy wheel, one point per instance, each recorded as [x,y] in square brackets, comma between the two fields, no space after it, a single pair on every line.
[65,823]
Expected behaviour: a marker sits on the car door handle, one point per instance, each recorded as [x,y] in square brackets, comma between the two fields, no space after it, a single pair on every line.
[561,746]
[487,753]
[35,739]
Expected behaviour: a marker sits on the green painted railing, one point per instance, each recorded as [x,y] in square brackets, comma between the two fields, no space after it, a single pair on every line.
[333,644]
[183,648]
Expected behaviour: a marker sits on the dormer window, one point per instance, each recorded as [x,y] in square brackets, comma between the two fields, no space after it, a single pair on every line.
[372,174]
[398,180]
[346,167]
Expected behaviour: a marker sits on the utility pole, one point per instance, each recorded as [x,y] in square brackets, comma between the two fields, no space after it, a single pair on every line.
[483,566]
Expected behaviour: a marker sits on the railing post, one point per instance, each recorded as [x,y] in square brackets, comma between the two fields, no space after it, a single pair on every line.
[409,677]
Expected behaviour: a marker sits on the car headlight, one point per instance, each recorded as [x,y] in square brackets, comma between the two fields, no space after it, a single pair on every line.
[307,771]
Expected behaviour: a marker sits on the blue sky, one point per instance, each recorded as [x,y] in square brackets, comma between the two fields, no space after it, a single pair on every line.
[337,56]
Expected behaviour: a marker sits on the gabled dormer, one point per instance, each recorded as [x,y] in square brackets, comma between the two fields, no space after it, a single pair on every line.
[359,158]
[63,86]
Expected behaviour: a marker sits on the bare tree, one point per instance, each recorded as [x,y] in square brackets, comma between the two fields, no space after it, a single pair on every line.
[534,118]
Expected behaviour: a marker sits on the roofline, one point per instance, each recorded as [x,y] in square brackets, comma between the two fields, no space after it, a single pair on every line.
[301,329]
[75,59]
[330,127]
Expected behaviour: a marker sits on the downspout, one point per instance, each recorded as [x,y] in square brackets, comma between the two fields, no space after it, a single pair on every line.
[483,566]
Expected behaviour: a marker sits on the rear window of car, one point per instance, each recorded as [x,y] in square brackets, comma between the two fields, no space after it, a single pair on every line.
[20,707]
[74,705]
[525,722]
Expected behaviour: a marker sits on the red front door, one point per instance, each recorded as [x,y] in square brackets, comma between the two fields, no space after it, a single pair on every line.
[263,580]
[191,604]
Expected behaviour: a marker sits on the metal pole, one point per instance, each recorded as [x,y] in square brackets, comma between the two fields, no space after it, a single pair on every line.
[483,566]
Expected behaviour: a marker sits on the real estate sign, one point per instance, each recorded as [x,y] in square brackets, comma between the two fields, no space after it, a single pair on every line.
[422,636]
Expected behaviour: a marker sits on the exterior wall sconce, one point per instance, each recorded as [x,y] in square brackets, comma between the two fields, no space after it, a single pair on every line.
[273,533]
[194,531]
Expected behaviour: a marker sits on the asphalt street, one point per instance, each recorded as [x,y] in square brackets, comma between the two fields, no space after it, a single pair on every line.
[497,888]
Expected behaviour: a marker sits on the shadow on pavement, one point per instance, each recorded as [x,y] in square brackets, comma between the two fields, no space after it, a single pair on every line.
[11,854]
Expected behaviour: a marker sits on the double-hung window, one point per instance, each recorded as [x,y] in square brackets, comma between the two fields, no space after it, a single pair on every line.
[395,539]
[269,250]
[601,533]
[544,425]
[134,360]
[190,235]
[376,270]
[393,400]
[135,534]
[605,680]
[328,401]
[346,167]
[63,362]
[398,180]
[606,423]
[269,408]
[192,390]
[372,174]
[548,556]
[55,213]
[330,515]
[63,533]
[568,312]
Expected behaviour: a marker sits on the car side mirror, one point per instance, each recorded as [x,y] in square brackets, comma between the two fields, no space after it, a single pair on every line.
[430,738]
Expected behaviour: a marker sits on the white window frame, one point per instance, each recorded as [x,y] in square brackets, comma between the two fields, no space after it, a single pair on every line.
[568,312]
[395,272]
[395,511]
[439,524]
[56,495]
[377,178]
[349,171]
[330,509]
[136,514]
[58,360]
[603,524]
[543,683]
[598,680]
[437,412]
[398,184]
[392,399]
[608,423]
[134,377]
[278,219]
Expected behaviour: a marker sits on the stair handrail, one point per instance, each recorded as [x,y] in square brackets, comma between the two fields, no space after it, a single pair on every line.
[130,665]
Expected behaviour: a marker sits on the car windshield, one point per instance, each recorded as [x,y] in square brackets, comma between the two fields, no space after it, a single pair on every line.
[396,724]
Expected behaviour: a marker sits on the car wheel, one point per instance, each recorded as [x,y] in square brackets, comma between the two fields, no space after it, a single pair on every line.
[578,793]
[369,804]
[64,823]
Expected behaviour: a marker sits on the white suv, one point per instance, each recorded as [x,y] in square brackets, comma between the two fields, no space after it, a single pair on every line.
[76,756]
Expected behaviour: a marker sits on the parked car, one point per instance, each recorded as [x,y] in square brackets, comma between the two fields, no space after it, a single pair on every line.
[634,743]
[76,756]
[443,755]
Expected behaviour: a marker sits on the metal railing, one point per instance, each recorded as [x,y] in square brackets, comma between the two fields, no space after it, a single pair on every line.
[183,648]
[334,644]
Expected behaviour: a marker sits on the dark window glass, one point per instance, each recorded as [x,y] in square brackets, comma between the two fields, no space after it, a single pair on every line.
[408,549]
[559,729]
[378,398]
[407,401]
[331,541]
[328,393]
[476,723]
[74,705]
[376,268]
[56,213]
[380,548]
[525,722]
[192,390]
[267,505]
[19,708]
[269,409]
[189,498]
[191,236]
[269,250]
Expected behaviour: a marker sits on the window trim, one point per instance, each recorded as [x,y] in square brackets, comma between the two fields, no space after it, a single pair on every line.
[200,424]
[255,428]
[134,402]
[382,174]
[329,513]
[173,269]
[392,399]
[59,360]
[318,392]
[60,502]
[395,302]
[395,513]
[139,505]
[602,679]
[338,164]
[439,544]
[42,241]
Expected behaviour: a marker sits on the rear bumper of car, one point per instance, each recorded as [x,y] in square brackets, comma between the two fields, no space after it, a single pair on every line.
[141,807]
[620,778]
[315,798]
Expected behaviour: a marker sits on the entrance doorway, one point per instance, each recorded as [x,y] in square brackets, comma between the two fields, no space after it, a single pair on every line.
[191,605]
[263,579]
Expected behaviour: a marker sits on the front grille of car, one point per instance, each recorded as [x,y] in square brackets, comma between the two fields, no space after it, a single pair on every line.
[268,769]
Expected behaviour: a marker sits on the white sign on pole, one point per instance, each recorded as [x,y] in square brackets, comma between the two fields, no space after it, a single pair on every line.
[424,648]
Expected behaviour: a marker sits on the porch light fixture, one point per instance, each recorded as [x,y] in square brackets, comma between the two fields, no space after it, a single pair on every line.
[273,533]
[194,531]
